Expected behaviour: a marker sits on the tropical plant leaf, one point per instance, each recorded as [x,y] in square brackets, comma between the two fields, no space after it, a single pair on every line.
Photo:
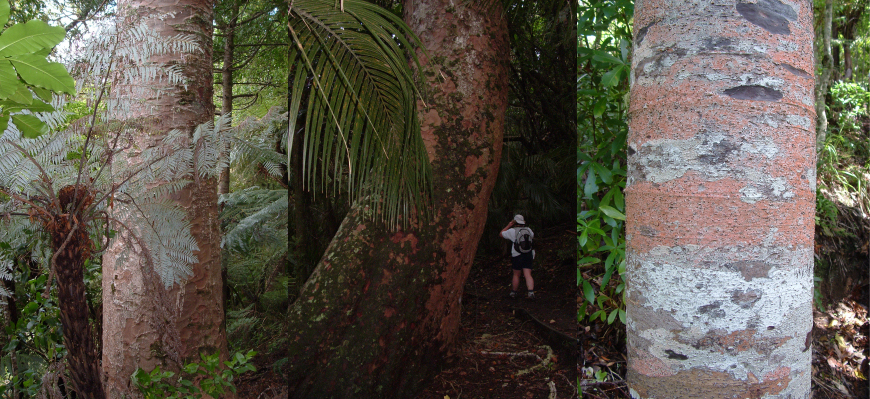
[360,118]
[36,71]
[4,12]
[29,126]
[29,37]
[8,79]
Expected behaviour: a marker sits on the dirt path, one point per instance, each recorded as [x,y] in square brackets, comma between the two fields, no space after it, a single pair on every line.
[502,351]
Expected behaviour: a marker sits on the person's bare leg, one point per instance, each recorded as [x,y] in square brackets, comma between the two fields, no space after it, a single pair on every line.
[516,280]
[530,282]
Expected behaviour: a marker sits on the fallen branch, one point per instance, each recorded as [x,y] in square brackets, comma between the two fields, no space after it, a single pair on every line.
[543,362]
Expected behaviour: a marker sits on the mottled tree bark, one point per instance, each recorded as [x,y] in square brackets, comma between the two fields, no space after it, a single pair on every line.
[227,82]
[144,324]
[720,200]
[382,308]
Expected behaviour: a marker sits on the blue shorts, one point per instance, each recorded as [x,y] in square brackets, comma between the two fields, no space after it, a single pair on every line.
[522,261]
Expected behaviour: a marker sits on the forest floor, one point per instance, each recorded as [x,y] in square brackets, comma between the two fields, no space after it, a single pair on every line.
[840,332]
[515,348]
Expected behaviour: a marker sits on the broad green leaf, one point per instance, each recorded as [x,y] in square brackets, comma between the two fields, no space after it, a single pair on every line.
[612,316]
[30,37]
[622,316]
[613,213]
[583,238]
[605,174]
[10,106]
[4,12]
[4,123]
[611,77]
[605,57]
[29,126]
[588,293]
[30,308]
[8,79]
[43,94]
[599,108]
[36,71]
[22,96]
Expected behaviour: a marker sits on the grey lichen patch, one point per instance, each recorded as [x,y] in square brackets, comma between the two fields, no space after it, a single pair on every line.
[766,188]
[718,44]
[663,59]
[753,92]
[772,15]
[662,160]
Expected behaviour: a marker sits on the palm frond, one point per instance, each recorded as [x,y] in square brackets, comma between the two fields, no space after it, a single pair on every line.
[360,118]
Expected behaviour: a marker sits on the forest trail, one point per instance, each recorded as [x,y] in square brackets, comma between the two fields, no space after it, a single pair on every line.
[501,351]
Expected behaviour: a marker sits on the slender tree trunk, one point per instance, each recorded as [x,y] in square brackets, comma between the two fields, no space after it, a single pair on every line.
[227,83]
[382,308]
[720,200]
[146,325]
[827,62]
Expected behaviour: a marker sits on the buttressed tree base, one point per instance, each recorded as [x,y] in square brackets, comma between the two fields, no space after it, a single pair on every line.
[720,200]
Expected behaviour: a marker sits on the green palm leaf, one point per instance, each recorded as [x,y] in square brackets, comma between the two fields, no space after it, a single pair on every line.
[361,128]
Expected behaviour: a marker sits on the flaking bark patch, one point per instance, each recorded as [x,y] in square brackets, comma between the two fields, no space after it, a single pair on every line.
[772,15]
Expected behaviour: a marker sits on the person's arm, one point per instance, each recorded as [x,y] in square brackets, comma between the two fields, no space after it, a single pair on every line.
[511,224]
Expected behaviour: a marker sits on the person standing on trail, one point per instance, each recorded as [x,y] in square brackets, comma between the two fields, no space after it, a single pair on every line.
[521,253]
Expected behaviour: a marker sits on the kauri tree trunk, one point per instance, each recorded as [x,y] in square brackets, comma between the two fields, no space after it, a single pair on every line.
[382,307]
[720,200]
[145,325]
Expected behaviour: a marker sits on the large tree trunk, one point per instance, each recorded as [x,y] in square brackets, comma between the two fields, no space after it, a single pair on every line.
[227,82]
[144,324]
[720,200]
[382,308]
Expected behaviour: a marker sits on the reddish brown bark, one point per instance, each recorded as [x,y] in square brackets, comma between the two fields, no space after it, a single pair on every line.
[145,324]
[382,308]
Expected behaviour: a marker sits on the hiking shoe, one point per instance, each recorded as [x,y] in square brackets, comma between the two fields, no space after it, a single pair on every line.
[531,296]
[512,295]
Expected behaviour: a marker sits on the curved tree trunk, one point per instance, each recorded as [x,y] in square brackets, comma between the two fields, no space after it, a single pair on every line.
[382,308]
[720,200]
[144,324]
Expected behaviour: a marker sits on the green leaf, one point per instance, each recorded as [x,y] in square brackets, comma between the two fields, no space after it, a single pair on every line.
[605,174]
[22,95]
[588,261]
[606,58]
[30,37]
[600,107]
[611,77]
[43,94]
[36,71]
[612,316]
[583,238]
[29,126]
[10,106]
[622,316]
[8,80]
[588,293]
[4,12]
[4,123]
[30,308]
[613,213]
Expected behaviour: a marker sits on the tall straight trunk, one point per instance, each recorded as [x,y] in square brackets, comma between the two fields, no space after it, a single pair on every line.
[227,82]
[382,308]
[720,200]
[824,80]
[144,324]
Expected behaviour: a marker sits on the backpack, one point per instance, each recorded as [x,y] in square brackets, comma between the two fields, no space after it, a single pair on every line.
[523,242]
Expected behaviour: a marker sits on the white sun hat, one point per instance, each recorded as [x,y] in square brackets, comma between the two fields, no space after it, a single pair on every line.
[519,219]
